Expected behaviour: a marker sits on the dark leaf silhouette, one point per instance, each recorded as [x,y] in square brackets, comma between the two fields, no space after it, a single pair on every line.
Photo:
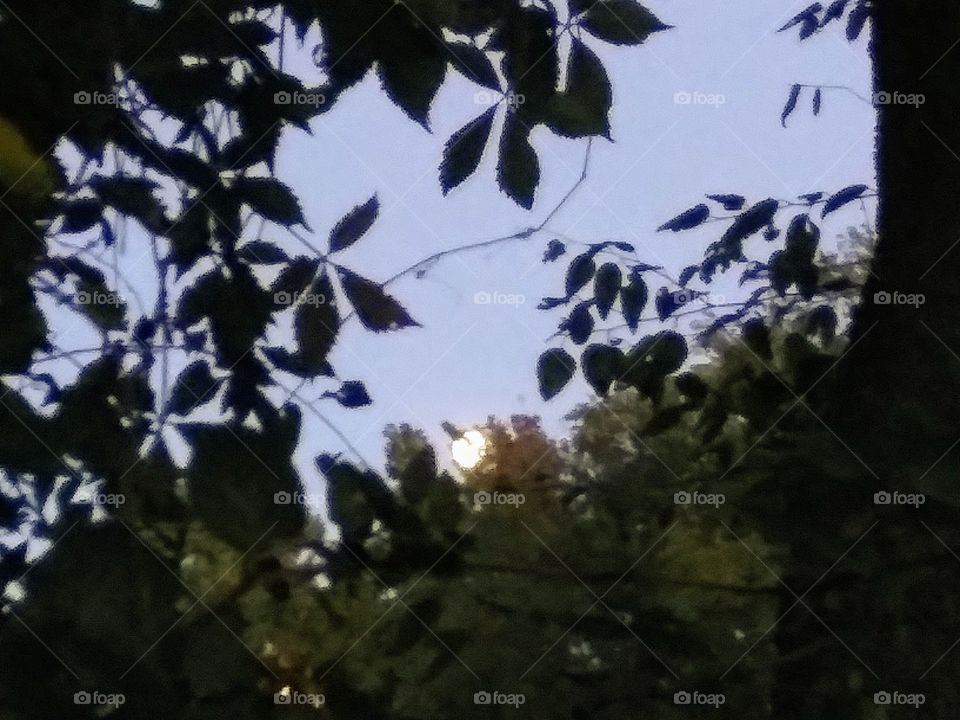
[554,370]
[842,197]
[377,310]
[579,273]
[475,65]
[195,387]
[464,150]
[518,171]
[580,323]
[602,366]
[352,394]
[584,107]
[791,104]
[622,22]
[606,287]
[857,19]
[633,298]
[817,101]
[729,202]
[687,220]
[316,325]
[803,17]
[271,199]
[354,225]
[554,250]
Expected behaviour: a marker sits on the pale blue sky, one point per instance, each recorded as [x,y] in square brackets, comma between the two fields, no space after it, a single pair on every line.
[469,360]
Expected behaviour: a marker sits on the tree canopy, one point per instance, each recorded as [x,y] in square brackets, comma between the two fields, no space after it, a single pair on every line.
[760,528]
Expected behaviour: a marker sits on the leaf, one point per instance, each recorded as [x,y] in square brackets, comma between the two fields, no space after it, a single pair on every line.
[667,303]
[81,215]
[688,219]
[293,280]
[602,365]
[555,249]
[263,253]
[622,22]
[377,310]
[464,151]
[352,394]
[474,64]
[633,298]
[584,107]
[518,171]
[803,16]
[857,19]
[751,221]
[316,324]
[411,78]
[731,203]
[196,386]
[554,370]
[687,273]
[817,101]
[354,225]
[606,286]
[270,199]
[579,273]
[791,103]
[841,198]
[580,323]
[834,12]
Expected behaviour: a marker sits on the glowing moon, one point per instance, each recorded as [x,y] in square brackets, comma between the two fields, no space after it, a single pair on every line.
[468,450]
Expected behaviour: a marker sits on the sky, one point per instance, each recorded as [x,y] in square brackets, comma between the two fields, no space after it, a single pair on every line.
[696,110]
[472,360]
